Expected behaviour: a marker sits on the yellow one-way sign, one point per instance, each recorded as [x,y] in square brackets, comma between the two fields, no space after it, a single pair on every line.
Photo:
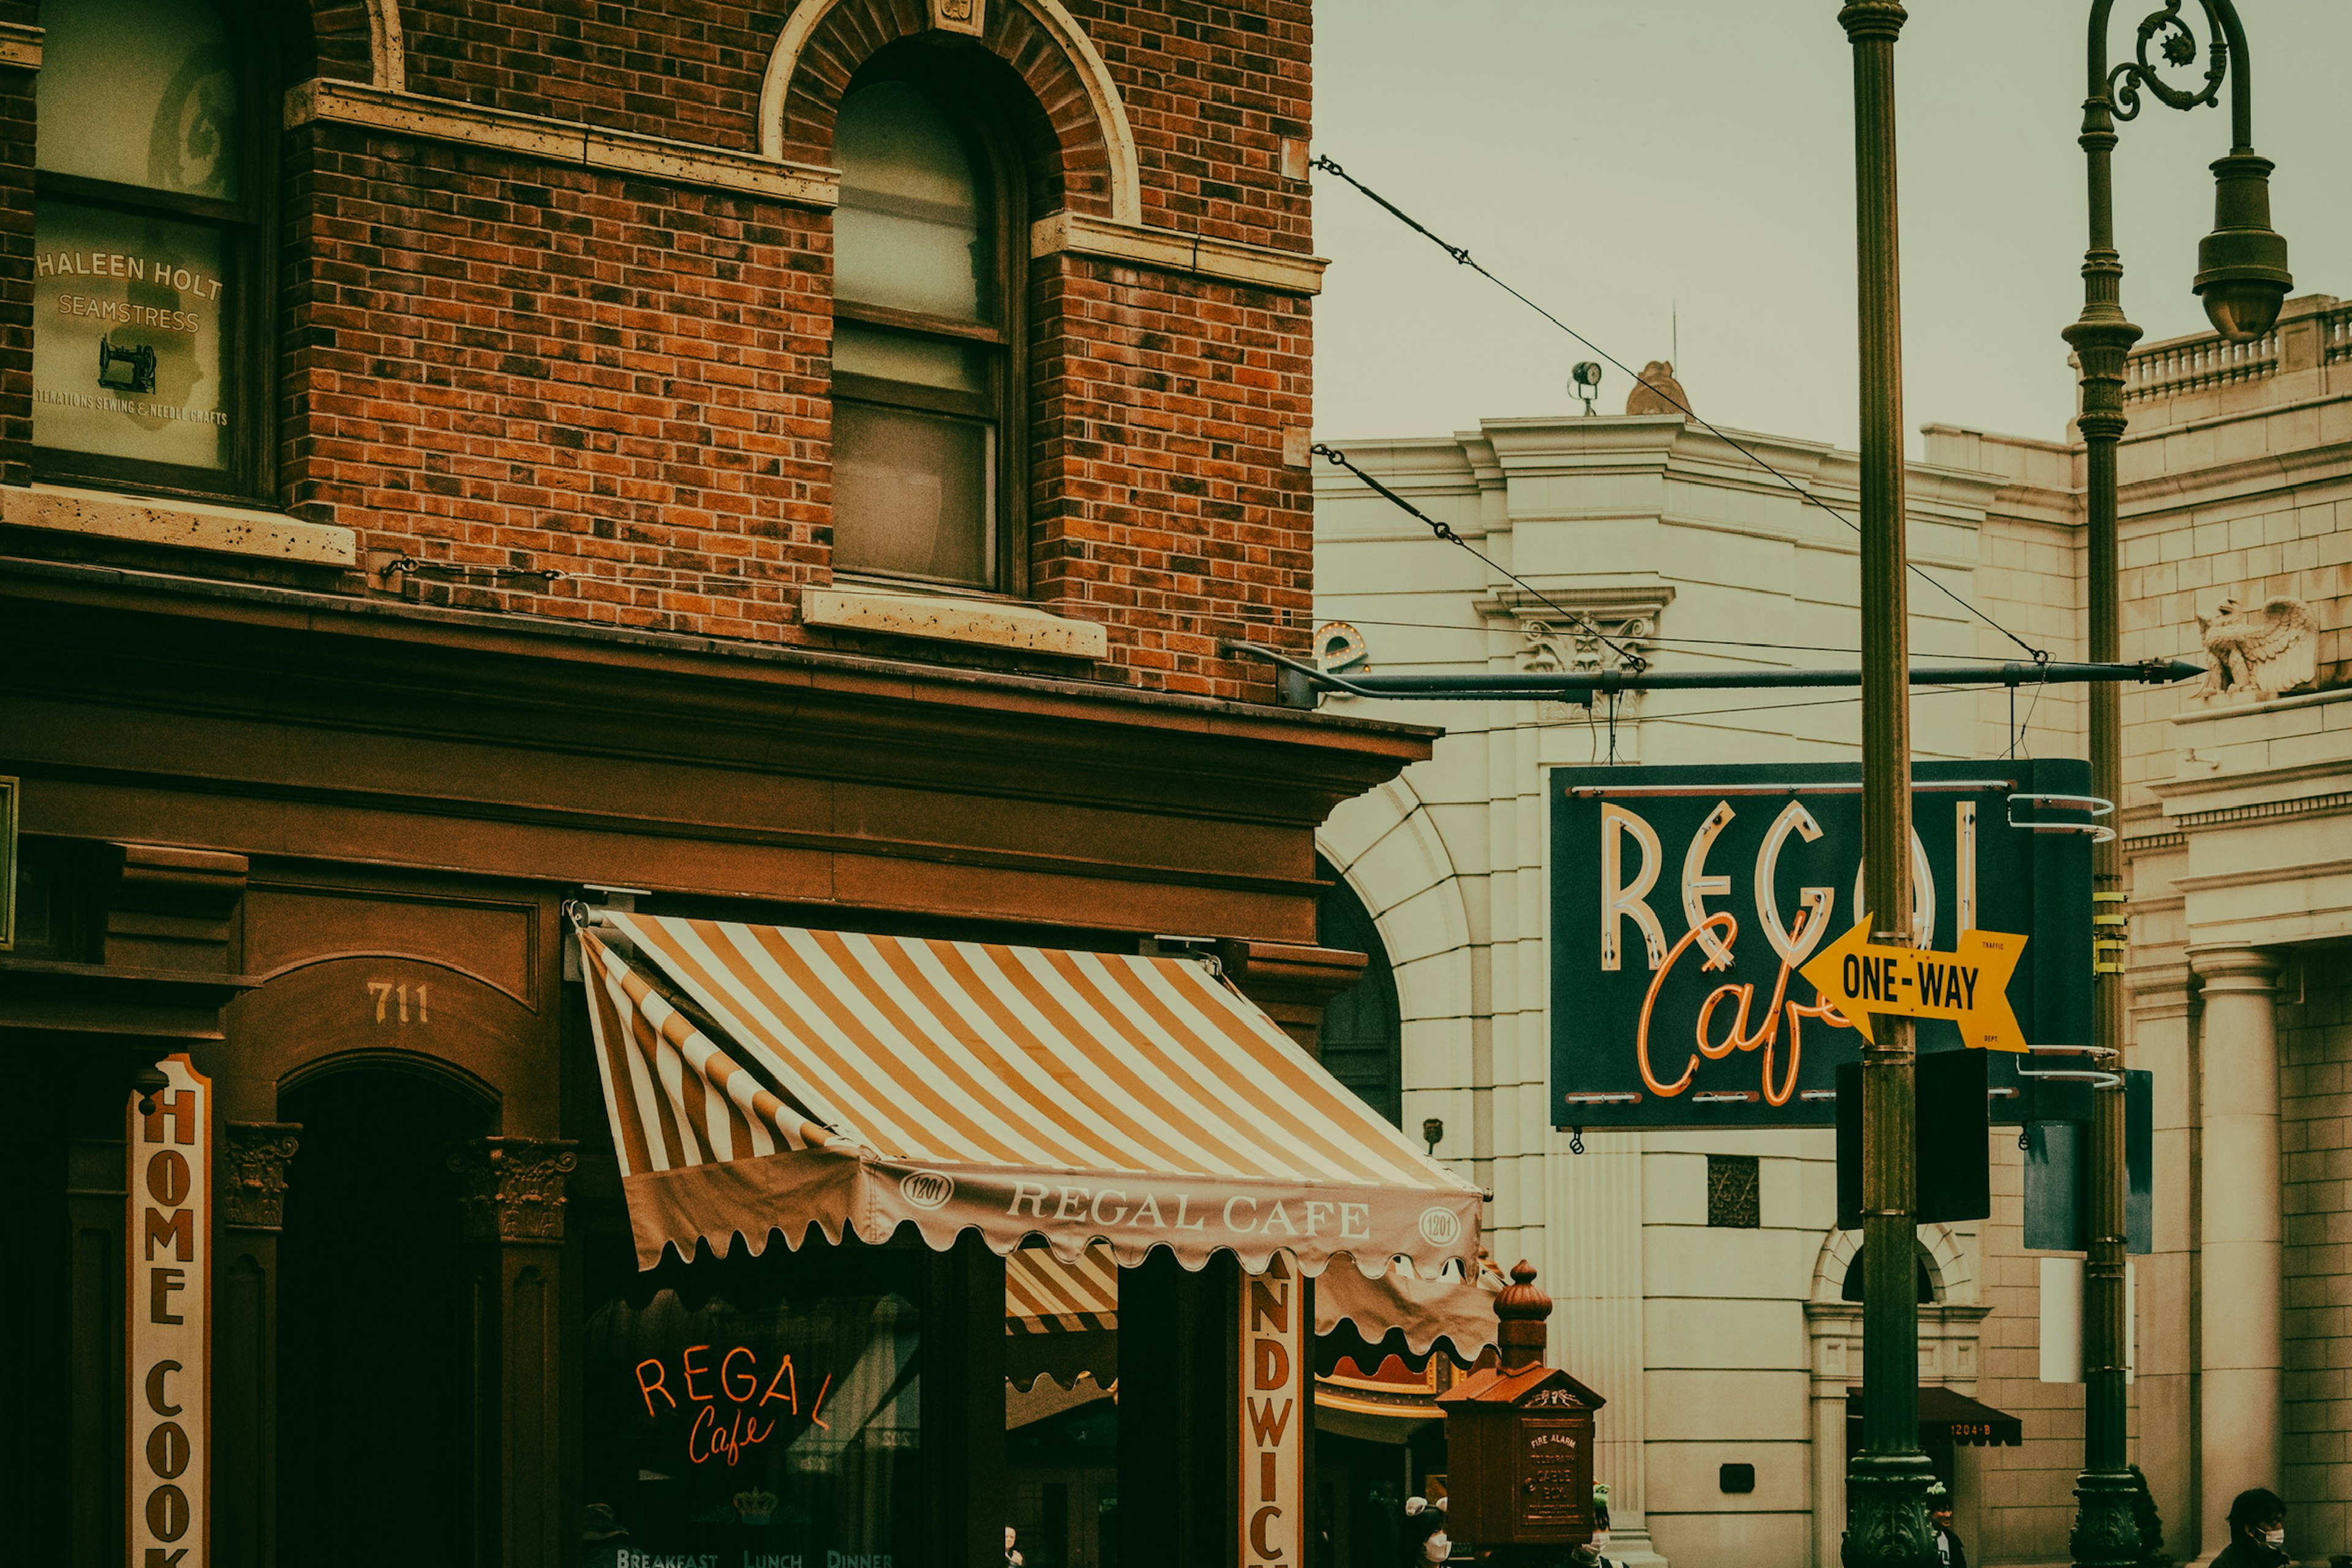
[1970,986]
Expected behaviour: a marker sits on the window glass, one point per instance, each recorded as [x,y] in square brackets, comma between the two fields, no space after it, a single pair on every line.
[139,92]
[899,356]
[912,494]
[911,232]
[762,1411]
[128,348]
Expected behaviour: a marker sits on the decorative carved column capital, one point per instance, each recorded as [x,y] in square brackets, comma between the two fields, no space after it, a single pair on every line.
[2242,969]
[514,1187]
[253,1187]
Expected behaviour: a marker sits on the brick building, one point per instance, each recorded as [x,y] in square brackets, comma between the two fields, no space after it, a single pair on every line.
[473,472]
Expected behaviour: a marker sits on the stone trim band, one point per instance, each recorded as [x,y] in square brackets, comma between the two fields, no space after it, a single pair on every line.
[326,101]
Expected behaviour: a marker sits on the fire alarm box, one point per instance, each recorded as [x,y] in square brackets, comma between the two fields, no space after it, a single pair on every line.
[1518,1452]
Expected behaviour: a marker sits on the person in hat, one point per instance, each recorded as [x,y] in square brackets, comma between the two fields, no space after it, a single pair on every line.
[2257,1532]
[1949,1552]
[601,1535]
[1423,1542]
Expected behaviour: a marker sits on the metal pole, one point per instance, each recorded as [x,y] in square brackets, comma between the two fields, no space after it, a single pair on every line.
[1886,1482]
[2107,1530]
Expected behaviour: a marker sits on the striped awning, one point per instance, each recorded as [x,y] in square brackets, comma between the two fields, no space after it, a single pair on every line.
[764,1080]
[1044,1295]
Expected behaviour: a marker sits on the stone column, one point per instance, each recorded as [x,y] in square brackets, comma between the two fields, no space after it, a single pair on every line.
[511,1204]
[254,1157]
[1592,1245]
[2163,1041]
[2240,1260]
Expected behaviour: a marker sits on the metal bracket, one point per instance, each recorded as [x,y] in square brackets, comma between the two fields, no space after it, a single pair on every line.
[2100,1075]
[2091,804]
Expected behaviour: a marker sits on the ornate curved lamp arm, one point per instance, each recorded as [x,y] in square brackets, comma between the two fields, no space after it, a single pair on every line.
[2175,40]
[2243,271]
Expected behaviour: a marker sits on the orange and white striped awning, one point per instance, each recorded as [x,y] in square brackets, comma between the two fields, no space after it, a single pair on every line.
[765,1079]
[1044,1295]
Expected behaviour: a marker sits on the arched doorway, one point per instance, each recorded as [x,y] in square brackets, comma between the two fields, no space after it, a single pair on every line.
[376,1445]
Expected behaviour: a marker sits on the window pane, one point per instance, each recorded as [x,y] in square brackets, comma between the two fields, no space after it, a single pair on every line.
[127,357]
[911,231]
[911,494]
[759,1417]
[140,92]
[921,361]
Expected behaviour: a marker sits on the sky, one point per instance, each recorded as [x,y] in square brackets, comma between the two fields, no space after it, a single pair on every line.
[1641,166]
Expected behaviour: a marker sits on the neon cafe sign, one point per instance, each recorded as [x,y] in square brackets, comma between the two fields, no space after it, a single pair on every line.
[1687,902]
[730,1399]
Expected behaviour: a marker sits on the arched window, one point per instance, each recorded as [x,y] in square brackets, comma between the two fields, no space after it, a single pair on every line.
[1362,1038]
[927,469]
[149,292]
[1923,1277]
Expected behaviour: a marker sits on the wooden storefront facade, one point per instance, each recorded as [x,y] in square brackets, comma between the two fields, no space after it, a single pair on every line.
[323,849]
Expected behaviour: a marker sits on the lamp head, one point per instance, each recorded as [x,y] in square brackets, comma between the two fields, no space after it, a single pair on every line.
[2242,272]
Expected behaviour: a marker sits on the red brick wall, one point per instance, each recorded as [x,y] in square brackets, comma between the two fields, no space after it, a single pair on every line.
[491,359]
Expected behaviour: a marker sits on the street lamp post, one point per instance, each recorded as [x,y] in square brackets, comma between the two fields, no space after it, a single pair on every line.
[1886,1482]
[2242,279]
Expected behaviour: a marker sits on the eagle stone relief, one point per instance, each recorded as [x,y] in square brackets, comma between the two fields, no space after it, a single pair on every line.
[2260,653]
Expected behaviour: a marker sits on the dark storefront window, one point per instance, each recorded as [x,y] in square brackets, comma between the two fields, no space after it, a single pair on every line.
[764,1411]
[1362,1040]
[148,282]
[922,365]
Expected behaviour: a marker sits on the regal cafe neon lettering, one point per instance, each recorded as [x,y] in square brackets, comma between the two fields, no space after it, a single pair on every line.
[1617,899]
[1622,900]
[1776,1091]
[1273,1415]
[169,1320]
[1717,933]
[727,1398]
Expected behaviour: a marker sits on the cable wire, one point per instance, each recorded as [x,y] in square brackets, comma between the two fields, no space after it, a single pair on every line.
[1444,531]
[1462,256]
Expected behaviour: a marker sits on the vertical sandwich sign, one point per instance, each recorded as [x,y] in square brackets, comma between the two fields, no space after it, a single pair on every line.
[170,1308]
[1273,1415]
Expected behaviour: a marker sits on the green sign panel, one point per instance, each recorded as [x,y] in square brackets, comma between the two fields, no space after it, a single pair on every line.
[1686,901]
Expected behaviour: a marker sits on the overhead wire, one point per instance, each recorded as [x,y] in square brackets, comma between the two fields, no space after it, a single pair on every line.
[1444,531]
[1462,256]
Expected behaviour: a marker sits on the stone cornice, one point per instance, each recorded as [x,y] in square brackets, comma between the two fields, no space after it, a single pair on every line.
[20,45]
[183,524]
[621,154]
[625,649]
[1172,250]
[2264,876]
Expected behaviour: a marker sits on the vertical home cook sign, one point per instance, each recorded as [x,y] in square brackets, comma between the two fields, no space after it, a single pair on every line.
[1273,1416]
[170,1301]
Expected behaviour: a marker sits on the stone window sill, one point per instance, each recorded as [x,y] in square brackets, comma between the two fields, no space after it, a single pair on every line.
[188,524]
[975,623]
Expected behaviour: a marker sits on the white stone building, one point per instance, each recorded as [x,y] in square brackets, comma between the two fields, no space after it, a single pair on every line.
[1720,1346]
